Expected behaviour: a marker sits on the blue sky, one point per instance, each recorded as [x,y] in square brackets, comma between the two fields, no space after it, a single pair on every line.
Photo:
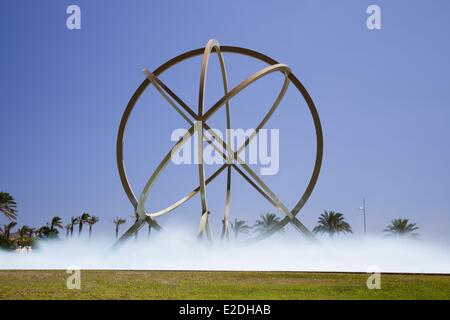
[383,97]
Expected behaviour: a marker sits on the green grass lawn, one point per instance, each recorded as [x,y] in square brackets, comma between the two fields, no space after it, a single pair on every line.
[47,284]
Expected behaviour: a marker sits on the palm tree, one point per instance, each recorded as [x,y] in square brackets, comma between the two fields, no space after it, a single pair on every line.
[68,227]
[5,243]
[91,221]
[7,228]
[8,206]
[118,222]
[47,232]
[402,227]
[39,232]
[25,237]
[267,221]
[24,231]
[240,226]
[56,223]
[332,223]
[31,231]
[81,220]
[73,222]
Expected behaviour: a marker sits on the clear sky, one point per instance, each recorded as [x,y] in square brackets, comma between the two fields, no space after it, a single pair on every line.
[383,97]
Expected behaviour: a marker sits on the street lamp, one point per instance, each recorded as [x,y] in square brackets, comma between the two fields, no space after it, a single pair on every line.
[363,209]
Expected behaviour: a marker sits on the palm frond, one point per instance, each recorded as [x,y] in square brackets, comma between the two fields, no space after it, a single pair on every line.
[8,206]
[332,223]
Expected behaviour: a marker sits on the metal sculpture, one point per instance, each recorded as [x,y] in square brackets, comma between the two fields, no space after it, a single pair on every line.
[198,124]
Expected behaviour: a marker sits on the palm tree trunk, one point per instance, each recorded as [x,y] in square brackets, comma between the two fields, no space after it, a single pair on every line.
[80,228]
[117,231]
[149,230]
[90,231]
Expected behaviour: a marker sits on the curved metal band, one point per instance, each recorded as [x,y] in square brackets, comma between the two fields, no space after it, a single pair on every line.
[188,196]
[210,46]
[237,50]
[166,92]
[221,102]
[226,146]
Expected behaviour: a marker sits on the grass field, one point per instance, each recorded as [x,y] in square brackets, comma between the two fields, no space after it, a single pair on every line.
[46,284]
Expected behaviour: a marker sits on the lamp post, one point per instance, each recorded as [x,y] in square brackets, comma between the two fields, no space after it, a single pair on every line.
[363,209]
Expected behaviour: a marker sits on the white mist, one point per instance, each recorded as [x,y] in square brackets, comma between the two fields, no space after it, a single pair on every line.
[178,251]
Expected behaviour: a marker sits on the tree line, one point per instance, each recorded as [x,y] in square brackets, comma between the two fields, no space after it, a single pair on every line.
[330,223]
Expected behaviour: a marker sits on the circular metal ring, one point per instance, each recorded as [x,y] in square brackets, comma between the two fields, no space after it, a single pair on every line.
[229,49]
